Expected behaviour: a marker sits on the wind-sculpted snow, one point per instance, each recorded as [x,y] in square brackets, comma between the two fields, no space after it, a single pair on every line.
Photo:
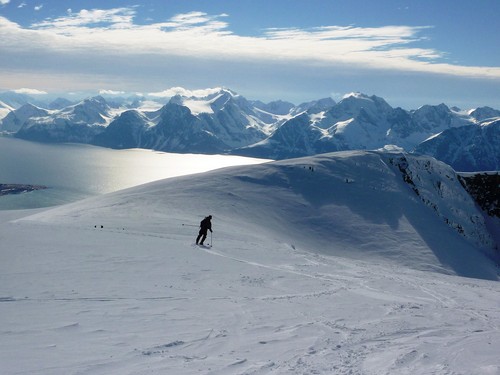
[380,204]
[323,265]
[437,185]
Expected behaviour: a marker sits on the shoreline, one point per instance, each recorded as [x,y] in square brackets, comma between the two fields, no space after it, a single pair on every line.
[6,189]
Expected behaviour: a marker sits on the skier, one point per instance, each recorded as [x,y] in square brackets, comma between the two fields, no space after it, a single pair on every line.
[205,226]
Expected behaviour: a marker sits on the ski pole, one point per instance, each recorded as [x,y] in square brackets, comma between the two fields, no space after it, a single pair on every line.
[211,239]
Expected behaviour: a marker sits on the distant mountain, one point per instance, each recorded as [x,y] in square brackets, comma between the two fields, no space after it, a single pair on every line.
[295,138]
[5,109]
[222,121]
[126,131]
[211,124]
[225,106]
[466,148]
[60,103]
[277,107]
[178,130]
[16,100]
[90,111]
[77,123]
[14,121]
[315,106]
[357,122]
[484,113]
[234,120]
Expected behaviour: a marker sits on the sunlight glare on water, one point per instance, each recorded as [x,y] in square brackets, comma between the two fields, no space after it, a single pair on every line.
[76,171]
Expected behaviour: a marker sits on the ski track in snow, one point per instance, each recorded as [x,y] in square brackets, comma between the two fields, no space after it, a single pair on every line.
[364,319]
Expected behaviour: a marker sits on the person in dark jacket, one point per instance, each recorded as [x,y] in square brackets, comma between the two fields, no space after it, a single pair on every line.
[205,226]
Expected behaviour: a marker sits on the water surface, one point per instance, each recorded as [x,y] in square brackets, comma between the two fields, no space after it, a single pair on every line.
[77,171]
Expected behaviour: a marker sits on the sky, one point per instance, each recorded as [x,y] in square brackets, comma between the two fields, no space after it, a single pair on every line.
[410,52]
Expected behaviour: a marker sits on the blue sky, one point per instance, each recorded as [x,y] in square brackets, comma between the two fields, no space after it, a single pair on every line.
[410,52]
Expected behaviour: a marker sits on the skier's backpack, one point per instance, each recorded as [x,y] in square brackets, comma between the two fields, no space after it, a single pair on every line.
[203,223]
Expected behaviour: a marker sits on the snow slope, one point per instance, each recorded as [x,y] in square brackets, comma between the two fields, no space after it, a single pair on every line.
[15,119]
[331,264]
[467,148]
[5,109]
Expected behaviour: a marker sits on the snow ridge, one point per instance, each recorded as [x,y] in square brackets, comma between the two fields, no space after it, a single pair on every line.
[449,200]
[369,205]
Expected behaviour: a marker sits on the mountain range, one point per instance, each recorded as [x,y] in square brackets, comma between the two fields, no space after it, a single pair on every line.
[223,121]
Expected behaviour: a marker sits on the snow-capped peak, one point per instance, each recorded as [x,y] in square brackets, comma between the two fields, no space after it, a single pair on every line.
[484,113]
[357,100]
[5,106]
[204,101]
[355,94]
[4,110]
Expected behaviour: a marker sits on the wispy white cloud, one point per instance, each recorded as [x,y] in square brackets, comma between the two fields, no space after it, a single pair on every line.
[22,5]
[197,34]
[38,7]
[30,91]
[111,92]
[111,45]
[4,2]
[184,92]
[197,19]
[85,19]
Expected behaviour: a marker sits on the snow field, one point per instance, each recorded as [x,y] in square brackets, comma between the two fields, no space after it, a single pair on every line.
[316,268]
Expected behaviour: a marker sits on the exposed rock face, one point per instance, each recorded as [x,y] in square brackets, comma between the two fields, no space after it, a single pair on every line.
[485,189]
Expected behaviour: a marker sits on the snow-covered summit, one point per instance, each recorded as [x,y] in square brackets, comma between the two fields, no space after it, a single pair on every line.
[15,119]
[91,111]
[80,122]
[355,104]
[5,108]
[484,113]
[207,101]
[467,148]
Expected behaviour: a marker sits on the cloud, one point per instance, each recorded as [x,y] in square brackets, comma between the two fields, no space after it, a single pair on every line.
[111,92]
[4,2]
[197,19]
[30,91]
[74,23]
[184,92]
[38,7]
[199,35]
[107,43]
